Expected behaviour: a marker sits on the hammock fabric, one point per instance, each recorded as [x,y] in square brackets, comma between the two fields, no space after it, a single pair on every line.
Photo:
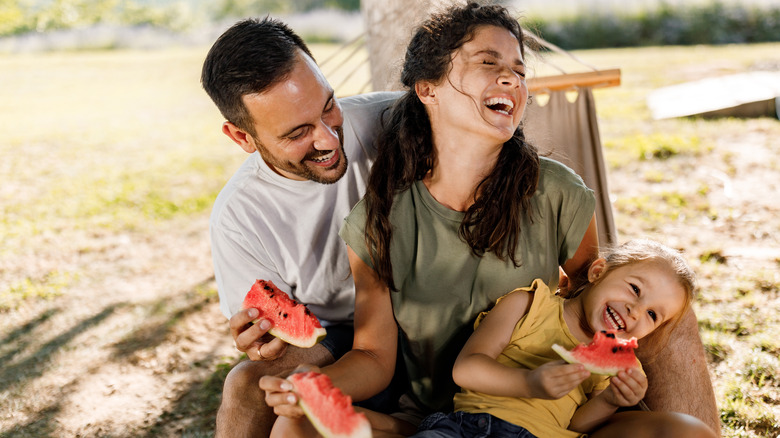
[569,132]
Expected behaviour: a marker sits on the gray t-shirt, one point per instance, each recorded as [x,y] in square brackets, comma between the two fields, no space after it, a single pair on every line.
[266,226]
[443,286]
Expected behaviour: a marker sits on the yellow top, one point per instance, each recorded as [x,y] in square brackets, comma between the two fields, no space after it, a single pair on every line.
[529,347]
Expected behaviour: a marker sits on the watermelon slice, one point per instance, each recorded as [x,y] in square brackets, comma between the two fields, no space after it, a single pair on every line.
[290,320]
[328,409]
[606,354]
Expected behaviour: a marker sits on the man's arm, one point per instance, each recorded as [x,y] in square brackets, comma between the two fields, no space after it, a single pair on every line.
[681,382]
[235,270]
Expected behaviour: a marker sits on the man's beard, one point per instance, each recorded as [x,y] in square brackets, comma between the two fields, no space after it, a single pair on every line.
[307,171]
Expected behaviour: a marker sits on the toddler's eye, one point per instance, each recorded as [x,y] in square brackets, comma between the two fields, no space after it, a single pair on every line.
[635,289]
[652,314]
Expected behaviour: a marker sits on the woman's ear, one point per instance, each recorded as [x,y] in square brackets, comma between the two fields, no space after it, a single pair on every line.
[597,269]
[426,92]
[238,135]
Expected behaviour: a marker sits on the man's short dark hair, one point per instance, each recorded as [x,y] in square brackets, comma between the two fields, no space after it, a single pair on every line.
[250,57]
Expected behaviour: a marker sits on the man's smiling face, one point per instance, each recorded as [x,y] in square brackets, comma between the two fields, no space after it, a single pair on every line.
[298,125]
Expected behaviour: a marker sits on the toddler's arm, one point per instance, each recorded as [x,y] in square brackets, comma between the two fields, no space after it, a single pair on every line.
[625,389]
[477,368]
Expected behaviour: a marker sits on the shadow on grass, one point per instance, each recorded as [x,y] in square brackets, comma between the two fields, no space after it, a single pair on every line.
[162,320]
[20,332]
[42,425]
[35,365]
[195,411]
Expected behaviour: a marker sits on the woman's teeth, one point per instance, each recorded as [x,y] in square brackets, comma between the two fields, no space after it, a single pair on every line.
[500,105]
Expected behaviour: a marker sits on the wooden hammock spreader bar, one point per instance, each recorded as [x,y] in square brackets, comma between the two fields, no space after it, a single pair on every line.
[571,81]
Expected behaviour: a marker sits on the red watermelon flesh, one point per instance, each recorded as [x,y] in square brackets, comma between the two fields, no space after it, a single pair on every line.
[290,320]
[328,409]
[606,354]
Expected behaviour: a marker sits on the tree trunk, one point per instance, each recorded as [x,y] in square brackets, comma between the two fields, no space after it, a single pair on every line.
[389,25]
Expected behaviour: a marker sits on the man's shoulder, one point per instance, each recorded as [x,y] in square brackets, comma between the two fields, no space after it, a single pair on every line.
[362,119]
[380,99]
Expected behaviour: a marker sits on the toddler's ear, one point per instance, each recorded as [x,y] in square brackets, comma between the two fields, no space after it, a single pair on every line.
[597,269]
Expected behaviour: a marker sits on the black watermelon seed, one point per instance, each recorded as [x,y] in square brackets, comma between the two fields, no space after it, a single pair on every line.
[611,335]
[615,349]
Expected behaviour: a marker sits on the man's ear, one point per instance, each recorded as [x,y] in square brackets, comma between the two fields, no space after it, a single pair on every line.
[241,137]
[426,92]
[597,269]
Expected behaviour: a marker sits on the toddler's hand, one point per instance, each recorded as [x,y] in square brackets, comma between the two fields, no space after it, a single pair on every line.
[555,379]
[626,389]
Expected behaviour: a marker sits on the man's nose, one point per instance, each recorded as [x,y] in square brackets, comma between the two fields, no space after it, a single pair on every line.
[327,137]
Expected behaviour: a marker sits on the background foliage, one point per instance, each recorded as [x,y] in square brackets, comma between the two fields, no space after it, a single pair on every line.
[569,27]
[711,23]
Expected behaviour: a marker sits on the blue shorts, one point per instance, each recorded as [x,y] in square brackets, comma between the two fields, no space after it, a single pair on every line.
[465,425]
[338,341]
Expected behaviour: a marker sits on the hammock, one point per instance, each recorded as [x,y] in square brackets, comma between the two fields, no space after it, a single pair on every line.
[562,129]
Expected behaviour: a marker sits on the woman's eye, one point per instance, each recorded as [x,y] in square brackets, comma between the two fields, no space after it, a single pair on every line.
[488,62]
[635,289]
[652,314]
[520,73]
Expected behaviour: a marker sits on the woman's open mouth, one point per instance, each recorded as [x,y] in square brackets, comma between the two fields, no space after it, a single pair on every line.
[500,105]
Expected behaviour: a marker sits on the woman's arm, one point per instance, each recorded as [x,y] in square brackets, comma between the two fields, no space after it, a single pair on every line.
[586,252]
[477,369]
[368,368]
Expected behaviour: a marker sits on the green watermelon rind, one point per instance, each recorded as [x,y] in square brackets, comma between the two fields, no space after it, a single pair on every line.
[317,332]
[595,369]
[362,430]
[307,342]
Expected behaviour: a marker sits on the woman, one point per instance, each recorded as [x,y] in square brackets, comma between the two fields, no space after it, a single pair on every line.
[459,211]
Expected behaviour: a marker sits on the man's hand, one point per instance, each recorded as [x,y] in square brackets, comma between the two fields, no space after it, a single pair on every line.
[253,339]
[553,380]
[626,389]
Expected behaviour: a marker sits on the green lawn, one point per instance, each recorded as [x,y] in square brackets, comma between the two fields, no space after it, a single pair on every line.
[122,146]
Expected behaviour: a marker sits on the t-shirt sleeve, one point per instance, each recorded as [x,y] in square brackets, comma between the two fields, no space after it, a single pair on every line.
[576,205]
[353,232]
[363,118]
[236,268]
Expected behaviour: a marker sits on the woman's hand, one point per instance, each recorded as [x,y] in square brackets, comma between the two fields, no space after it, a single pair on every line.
[280,395]
[626,389]
[555,379]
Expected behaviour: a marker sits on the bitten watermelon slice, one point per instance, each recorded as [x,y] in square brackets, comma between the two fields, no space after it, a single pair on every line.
[291,321]
[606,354]
[328,409]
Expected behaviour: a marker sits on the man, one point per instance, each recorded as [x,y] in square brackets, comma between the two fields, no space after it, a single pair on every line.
[278,217]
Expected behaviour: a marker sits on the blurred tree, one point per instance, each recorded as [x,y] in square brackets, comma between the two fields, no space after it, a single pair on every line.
[12,17]
[247,8]
[67,14]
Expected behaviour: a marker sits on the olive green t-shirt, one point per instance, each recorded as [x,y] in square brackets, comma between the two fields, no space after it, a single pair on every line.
[443,286]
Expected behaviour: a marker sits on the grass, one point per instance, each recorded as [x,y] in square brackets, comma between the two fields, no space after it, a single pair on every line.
[104,153]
